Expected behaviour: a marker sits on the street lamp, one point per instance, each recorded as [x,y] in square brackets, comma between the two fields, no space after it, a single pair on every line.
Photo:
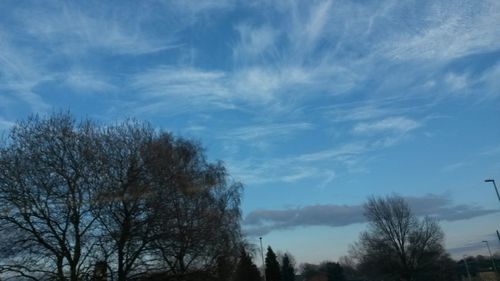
[491,256]
[494,185]
[262,254]
[467,268]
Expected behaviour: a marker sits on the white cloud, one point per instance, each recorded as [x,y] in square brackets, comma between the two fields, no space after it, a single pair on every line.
[187,88]
[264,171]
[457,82]
[20,73]
[88,81]
[453,167]
[455,29]
[490,151]
[342,151]
[194,8]
[392,124]
[72,29]
[254,41]
[299,174]
[267,131]
[265,84]
[318,166]
[181,90]
[310,31]
[491,82]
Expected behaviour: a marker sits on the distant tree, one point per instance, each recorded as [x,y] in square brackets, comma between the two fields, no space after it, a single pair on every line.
[349,268]
[398,245]
[273,272]
[287,269]
[445,269]
[246,270]
[330,271]
[333,271]
[475,265]
[309,270]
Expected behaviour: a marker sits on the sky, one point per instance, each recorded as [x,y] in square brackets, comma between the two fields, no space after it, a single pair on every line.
[313,105]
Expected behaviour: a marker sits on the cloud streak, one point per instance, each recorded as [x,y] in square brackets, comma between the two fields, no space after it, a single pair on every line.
[392,124]
[267,131]
[260,222]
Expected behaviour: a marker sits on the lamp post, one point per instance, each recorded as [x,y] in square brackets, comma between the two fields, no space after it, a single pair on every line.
[467,268]
[494,185]
[491,256]
[262,255]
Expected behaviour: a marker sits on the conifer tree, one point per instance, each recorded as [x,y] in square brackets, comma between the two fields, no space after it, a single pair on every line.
[273,272]
[287,269]
[246,270]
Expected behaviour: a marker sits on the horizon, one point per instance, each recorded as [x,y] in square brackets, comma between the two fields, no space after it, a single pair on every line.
[313,106]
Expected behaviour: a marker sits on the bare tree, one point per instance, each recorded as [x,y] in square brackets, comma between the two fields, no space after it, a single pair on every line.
[126,197]
[126,212]
[199,222]
[164,207]
[398,245]
[49,172]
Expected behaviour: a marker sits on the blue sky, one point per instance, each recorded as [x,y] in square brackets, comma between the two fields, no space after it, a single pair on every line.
[313,105]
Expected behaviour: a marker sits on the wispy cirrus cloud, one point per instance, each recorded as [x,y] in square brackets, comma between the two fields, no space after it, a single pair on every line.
[255,43]
[453,167]
[399,124]
[490,151]
[181,90]
[88,82]
[267,131]
[355,148]
[20,74]
[264,171]
[449,30]
[320,167]
[75,29]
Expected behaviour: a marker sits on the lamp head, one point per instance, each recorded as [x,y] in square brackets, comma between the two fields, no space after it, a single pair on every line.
[489,180]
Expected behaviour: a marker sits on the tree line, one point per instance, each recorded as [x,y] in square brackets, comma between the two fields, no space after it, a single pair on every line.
[83,201]
[397,246]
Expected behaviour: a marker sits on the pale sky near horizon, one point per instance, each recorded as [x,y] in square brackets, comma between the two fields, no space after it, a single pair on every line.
[313,105]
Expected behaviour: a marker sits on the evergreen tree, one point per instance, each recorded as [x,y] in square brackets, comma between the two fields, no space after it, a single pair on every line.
[287,269]
[246,270]
[273,272]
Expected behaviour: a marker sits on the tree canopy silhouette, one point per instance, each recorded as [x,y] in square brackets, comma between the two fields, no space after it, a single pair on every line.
[398,245]
[273,272]
[246,270]
[287,269]
[127,196]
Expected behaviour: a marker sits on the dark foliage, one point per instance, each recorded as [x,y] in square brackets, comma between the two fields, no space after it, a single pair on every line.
[287,269]
[330,271]
[273,272]
[333,270]
[246,270]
